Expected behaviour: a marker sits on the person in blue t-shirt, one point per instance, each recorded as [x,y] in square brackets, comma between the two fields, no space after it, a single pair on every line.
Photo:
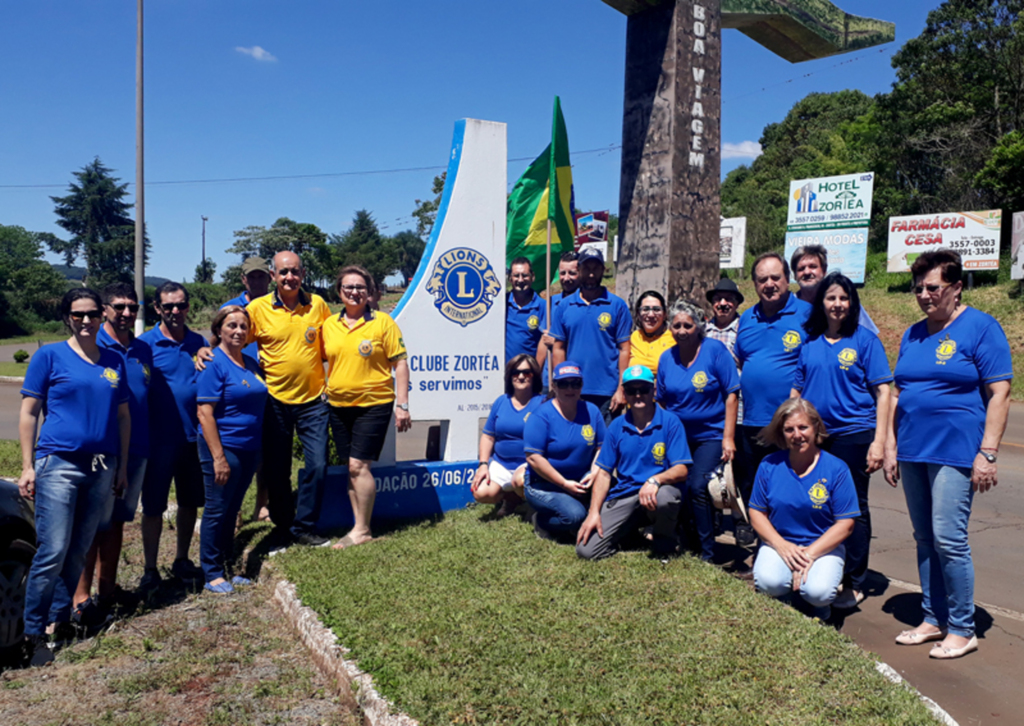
[172,424]
[79,461]
[645,450]
[525,314]
[500,475]
[593,327]
[802,507]
[810,265]
[767,349]
[699,385]
[843,371]
[562,439]
[950,405]
[569,279]
[231,398]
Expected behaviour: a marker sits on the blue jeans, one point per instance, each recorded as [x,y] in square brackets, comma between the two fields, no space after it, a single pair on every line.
[558,512]
[707,455]
[309,421]
[939,501]
[217,531]
[70,500]
[852,449]
[773,577]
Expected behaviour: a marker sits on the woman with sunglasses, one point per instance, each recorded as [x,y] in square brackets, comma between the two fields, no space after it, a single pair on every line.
[79,461]
[843,371]
[698,382]
[363,349]
[949,410]
[651,336]
[499,477]
[563,437]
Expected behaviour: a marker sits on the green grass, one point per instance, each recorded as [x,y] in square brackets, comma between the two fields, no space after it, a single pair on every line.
[32,339]
[469,621]
[10,458]
[16,370]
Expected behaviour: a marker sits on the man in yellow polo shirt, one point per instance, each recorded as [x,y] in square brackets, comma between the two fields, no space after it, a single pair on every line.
[286,324]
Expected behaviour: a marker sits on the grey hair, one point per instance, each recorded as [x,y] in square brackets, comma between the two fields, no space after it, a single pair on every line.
[687,307]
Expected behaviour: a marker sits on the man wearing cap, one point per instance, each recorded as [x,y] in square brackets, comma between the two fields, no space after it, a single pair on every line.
[725,299]
[593,326]
[569,278]
[256,278]
[810,265]
[646,450]
[525,314]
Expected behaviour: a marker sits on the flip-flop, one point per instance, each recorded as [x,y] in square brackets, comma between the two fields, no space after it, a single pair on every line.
[346,542]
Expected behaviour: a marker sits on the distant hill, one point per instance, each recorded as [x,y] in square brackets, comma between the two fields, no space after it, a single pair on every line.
[78,273]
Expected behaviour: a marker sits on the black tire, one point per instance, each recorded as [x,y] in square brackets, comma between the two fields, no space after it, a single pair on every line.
[15,561]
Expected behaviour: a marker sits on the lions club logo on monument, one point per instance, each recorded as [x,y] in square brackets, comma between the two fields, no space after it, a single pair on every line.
[464,285]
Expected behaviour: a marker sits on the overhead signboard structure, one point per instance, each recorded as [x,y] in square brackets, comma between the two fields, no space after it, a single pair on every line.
[452,318]
[975,235]
[1017,248]
[669,204]
[732,239]
[833,212]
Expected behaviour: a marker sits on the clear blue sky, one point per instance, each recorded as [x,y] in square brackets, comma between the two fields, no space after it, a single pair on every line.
[251,88]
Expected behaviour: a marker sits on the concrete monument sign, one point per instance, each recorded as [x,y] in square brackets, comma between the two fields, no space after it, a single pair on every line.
[452,318]
[671,129]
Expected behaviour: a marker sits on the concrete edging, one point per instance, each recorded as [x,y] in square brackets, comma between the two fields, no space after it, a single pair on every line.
[11,379]
[935,709]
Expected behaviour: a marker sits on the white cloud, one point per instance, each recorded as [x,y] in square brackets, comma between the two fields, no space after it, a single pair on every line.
[742,150]
[257,53]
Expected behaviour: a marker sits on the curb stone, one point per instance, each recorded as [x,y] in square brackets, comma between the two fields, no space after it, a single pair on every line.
[11,379]
[935,709]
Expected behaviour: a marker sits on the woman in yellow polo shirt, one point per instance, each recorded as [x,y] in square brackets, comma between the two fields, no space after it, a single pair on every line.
[651,337]
[362,348]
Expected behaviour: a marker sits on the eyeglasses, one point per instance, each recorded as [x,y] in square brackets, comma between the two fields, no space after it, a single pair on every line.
[294,271]
[170,307]
[522,373]
[354,288]
[637,390]
[133,308]
[81,315]
[570,383]
[652,309]
[932,289]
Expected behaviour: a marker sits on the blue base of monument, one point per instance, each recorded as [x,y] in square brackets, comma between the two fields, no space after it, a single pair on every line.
[410,490]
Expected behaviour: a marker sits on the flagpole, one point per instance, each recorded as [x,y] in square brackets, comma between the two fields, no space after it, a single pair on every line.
[550,358]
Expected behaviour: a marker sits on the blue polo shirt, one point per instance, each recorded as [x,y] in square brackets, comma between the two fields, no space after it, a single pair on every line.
[505,424]
[696,394]
[569,446]
[940,416]
[138,364]
[803,508]
[768,350]
[240,397]
[172,386]
[253,349]
[80,400]
[592,334]
[524,326]
[838,379]
[635,456]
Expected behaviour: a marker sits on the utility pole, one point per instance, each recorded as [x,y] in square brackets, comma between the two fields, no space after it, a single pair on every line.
[206,273]
[140,186]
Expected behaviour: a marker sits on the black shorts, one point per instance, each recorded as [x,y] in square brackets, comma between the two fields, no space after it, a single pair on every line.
[175,461]
[359,431]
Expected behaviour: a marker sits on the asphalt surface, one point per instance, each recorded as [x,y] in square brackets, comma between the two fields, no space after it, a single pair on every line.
[982,688]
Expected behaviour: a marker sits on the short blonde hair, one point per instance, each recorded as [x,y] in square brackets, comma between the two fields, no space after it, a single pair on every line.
[771,435]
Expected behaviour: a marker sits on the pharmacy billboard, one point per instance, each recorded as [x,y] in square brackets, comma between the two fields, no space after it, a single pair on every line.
[975,235]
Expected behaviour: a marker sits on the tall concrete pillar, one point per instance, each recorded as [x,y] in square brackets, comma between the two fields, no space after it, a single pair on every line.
[669,202]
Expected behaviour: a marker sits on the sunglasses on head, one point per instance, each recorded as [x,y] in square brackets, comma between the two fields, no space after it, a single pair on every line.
[169,307]
[570,383]
[637,390]
[81,315]
[133,308]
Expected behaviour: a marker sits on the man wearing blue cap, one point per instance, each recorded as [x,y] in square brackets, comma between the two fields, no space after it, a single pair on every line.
[647,451]
[593,326]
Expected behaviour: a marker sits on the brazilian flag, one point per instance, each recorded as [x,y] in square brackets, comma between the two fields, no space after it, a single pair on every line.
[530,207]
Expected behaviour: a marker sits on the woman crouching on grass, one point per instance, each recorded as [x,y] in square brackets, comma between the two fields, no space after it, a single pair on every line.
[499,477]
[231,399]
[803,508]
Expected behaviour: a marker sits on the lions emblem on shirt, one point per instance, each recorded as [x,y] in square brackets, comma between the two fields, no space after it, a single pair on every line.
[464,285]
[588,434]
[604,320]
[658,451]
[146,372]
[699,381]
[311,335]
[366,348]
[819,493]
[533,322]
[946,350]
[847,357]
[111,377]
[791,340]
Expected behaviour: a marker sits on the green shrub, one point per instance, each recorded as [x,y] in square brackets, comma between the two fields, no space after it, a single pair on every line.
[21,356]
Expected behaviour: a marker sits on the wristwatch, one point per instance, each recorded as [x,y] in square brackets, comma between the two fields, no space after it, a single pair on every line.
[403,406]
[990,458]
[653,481]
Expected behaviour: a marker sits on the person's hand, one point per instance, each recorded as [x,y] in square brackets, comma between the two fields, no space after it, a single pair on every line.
[649,496]
[27,484]
[891,467]
[984,476]
[221,471]
[403,420]
[547,340]
[481,477]
[800,574]
[574,487]
[728,449]
[618,399]
[590,525]
[203,356]
[121,481]
[793,555]
[876,457]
